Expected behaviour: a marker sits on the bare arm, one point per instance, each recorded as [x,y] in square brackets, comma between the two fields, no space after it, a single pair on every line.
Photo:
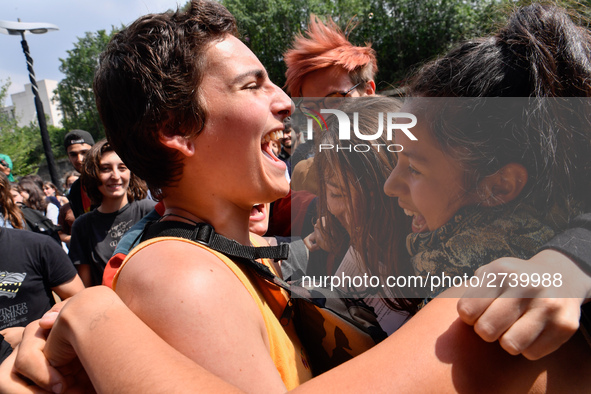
[87,335]
[84,274]
[69,288]
[434,352]
[64,237]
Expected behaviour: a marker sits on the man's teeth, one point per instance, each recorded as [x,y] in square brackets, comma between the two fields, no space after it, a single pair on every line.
[408,212]
[274,135]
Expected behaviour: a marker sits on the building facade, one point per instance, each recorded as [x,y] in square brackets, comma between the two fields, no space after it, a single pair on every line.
[23,104]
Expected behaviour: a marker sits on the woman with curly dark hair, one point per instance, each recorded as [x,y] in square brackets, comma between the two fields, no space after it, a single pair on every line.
[120,199]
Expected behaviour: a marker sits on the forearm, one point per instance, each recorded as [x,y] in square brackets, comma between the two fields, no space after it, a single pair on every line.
[65,237]
[84,274]
[69,288]
[134,360]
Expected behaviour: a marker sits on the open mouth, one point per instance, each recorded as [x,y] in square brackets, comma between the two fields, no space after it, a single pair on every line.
[419,224]
[258,213]
[266,144]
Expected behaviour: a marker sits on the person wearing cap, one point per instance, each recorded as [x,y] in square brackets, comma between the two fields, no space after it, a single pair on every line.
[6,166]
[77,144]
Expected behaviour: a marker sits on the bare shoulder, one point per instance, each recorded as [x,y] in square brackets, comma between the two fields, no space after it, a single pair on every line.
[191,299]
[175,275]
[173,261]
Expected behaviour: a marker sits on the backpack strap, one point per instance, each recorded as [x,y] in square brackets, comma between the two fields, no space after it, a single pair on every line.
[205,234]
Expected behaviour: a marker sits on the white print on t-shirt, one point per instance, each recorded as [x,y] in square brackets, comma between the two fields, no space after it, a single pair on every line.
[9,317]
[117,231]
[10,283]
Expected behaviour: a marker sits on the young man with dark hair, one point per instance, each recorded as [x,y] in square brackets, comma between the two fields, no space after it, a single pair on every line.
[77,144]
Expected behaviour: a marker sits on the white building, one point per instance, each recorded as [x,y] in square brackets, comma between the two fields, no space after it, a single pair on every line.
[23,104]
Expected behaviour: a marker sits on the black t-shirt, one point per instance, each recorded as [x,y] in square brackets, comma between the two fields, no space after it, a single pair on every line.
[95,235]
[30,266]
[77,200]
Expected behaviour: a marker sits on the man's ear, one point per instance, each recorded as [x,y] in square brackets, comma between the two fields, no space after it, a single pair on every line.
[184,145]
[503,186]
[370,88]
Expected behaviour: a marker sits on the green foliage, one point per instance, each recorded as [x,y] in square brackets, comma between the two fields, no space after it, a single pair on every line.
[24,147]
[406,33]
[75,90]
[23,144]
[7,123]
[268,27]
[403,32]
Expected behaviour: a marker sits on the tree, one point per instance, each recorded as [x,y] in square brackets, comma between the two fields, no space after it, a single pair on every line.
[403,32]
[406,33]
[75,90]
[7,122]
[268,27]
[23,144]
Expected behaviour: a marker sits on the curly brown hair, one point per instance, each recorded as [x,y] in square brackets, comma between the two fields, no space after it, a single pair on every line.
[91,182]
[147,85]
[540,53]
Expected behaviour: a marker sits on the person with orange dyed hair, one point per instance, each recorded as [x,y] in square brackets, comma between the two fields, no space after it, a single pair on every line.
[323,63]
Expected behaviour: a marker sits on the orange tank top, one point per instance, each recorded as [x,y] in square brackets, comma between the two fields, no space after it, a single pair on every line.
[286,350]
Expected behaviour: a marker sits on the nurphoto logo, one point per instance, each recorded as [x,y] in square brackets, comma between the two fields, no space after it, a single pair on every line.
[387,122]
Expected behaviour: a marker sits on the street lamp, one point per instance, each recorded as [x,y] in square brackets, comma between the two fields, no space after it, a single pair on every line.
[19,28]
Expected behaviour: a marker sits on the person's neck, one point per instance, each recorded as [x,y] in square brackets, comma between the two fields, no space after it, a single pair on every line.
[227,219]
[110,205]
[288,150]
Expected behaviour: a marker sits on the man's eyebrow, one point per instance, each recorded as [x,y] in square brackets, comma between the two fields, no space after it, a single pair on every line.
[413,154]
[258,73]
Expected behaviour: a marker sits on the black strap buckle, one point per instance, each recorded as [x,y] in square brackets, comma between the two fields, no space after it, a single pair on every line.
[203,234]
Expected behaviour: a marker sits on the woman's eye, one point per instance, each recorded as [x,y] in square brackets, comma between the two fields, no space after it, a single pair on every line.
[413,171]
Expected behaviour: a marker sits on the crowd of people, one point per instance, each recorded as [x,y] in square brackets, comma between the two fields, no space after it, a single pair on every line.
[489,181]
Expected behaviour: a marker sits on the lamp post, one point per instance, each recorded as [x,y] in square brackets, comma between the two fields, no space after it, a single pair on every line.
[19,28]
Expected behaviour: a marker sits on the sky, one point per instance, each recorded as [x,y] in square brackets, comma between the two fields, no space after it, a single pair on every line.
[74,18]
